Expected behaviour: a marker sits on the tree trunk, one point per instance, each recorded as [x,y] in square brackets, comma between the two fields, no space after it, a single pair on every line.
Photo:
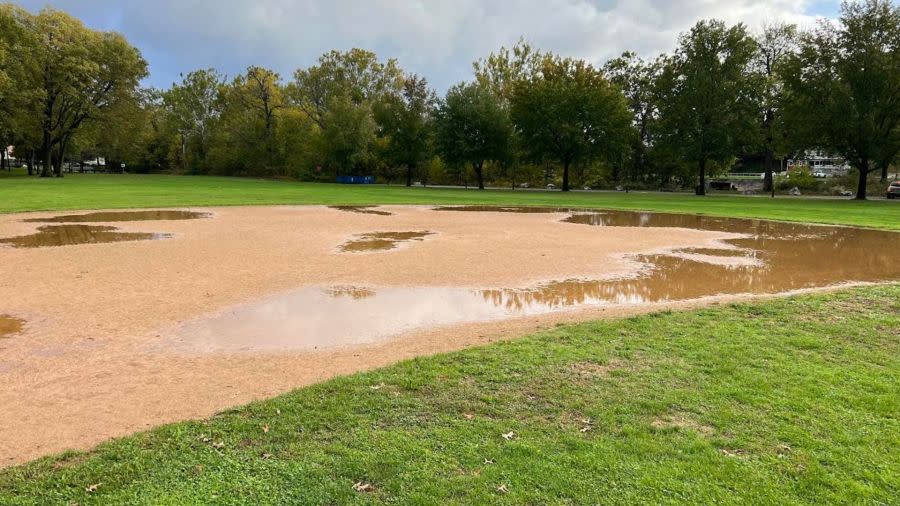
[565,187]
[47,154]
[701,188]
[409,172]
[770,168]
[478,173]
[884,171]
[863,177]
[4,161]
[62,155]
[31,164]
[58,164]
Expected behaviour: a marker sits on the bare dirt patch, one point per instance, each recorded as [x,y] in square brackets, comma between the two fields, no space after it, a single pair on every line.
[678,420]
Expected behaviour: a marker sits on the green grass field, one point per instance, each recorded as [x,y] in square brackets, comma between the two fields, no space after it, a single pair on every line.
[121,191]
[790,401]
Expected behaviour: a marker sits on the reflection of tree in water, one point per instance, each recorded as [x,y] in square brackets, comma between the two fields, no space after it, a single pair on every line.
[362,210]
[66,235]
[793,256]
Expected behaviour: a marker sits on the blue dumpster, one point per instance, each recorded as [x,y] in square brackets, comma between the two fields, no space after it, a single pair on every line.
[355,179]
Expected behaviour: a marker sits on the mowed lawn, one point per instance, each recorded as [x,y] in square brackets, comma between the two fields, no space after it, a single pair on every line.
[789,401]
[120,191]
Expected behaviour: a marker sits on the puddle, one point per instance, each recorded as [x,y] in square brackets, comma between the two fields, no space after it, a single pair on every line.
[380,241]
[311,318]
[500,209]
[9,326]
[66,235]
[109,216]
[362,210]
[770,257]
[717,252]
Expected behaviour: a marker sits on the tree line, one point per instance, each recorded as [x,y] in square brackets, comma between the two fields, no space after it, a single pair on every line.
[71,93]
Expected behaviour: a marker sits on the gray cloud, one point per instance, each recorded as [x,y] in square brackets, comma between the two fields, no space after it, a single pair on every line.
[436,38]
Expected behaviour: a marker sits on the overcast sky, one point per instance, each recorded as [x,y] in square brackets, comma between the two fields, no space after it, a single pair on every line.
[436,38]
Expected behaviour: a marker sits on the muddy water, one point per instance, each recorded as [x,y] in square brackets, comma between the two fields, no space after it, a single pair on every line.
[111,216]
[362,210]
[9,326]
[379,241]
[501,209]
[769,257]
[66,235]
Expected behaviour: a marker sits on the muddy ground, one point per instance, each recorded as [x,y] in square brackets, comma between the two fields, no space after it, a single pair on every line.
[105,349]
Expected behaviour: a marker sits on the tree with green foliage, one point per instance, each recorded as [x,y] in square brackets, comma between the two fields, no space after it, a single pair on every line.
[346,140]
[709,96]
[405,120]
[193,106]
[570,113]
[638,80]
[339,94]
[501,70]
[776,43]
[80,73]
[473,127]
[844,87]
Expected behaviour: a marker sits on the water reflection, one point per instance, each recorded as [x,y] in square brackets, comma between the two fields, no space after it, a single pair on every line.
[110,216]
[66,235]
[769,257]
[9,325]
[504,209]
[362,210]
[379,241]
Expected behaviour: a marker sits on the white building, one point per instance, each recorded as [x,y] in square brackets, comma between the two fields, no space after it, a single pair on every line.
[820,163]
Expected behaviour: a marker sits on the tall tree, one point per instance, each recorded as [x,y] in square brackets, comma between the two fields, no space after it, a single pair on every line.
[775,44]
[473,127]
[709,101]
[17,86]
[259,91]
[638,80]
[404,119]
[80,73]
[356,75]
[340,91]
[570,113]
[844,86]
[501,70]
[194,105]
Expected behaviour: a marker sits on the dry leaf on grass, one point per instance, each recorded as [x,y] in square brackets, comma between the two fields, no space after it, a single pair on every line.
[265,428]
[92,488]
[377,387]
[363,487]
[502,489]
[509,435]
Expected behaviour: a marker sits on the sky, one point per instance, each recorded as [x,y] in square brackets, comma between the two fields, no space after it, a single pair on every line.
[438,39]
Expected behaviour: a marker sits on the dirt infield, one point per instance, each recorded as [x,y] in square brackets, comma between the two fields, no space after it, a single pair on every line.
[109,341]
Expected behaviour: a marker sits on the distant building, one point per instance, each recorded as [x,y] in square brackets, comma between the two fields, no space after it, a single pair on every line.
[818,162]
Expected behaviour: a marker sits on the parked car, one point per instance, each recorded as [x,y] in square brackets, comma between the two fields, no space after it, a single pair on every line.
[551,186]
[893,190]
[819,174]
